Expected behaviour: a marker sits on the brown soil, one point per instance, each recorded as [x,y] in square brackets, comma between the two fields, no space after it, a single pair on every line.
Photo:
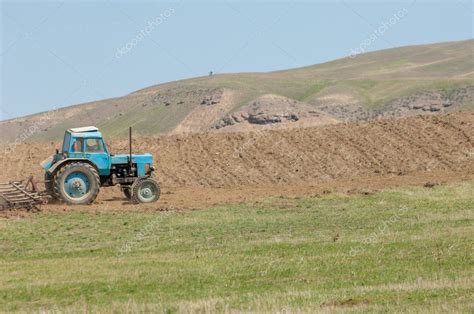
[202,170]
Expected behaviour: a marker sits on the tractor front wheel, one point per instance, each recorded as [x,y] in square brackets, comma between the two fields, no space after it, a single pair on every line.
[145,191]
[77,183]
[127,192]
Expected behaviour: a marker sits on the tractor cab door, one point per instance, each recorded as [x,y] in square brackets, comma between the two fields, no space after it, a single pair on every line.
[95,151]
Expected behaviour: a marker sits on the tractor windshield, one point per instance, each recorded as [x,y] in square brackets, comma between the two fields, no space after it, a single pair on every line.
[94,145]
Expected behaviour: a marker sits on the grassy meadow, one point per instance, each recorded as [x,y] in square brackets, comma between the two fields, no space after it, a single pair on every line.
[403,250]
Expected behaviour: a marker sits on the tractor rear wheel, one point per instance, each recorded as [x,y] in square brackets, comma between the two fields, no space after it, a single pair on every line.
[145,191]
[48,184]
[77,183]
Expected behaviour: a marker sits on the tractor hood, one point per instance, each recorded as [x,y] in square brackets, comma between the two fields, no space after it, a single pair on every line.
[136,158]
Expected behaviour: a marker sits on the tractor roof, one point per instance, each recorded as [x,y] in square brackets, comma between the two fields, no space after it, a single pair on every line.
[87,131]
[84,129]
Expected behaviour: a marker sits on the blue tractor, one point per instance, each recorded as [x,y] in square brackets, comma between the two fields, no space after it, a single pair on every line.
[75,174]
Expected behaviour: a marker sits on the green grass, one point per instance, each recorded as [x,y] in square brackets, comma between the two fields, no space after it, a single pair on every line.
[405,249]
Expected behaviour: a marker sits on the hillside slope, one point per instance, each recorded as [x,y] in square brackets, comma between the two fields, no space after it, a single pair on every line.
[394,82]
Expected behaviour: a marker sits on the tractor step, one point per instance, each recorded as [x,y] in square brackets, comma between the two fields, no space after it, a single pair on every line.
[16,194]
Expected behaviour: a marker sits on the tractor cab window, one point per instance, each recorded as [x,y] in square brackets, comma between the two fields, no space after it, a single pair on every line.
[67,142]
[78,146]
[94,145]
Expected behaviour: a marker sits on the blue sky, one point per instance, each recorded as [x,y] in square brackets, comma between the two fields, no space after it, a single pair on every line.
[59,53]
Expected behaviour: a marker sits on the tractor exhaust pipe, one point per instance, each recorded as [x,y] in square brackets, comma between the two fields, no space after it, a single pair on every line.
[130,146]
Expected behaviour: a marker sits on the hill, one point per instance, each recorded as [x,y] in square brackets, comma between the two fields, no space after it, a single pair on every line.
[404,81]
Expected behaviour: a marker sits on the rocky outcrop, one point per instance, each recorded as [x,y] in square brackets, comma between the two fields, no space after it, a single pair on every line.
[269,109]
[420,103]
[178,96]
[428,102]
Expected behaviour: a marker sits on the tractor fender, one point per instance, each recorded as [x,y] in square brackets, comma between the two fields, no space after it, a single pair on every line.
[65,161]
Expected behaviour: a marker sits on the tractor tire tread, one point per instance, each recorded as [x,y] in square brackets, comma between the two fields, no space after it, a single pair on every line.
[49,185]
[136,185]
[127,192]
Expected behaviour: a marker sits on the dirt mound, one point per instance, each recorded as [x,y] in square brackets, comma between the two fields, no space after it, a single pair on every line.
[314,155]
[298,156]
[202,170]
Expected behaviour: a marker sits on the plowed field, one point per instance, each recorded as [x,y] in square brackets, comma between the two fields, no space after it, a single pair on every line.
[204,169]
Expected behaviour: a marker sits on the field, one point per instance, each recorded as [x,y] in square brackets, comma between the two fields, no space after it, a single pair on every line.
[373,216]
[402,249]
[307,156]
[208,169]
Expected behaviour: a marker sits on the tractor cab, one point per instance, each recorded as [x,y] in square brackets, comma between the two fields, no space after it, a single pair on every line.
[86,147]
[75,138]
[87,143]
[82,143]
